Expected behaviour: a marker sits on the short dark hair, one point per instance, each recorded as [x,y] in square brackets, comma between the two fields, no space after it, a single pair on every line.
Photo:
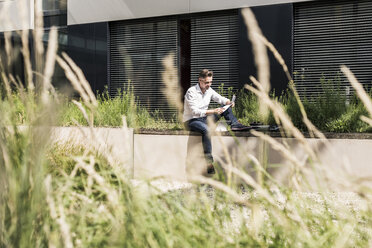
[205,73]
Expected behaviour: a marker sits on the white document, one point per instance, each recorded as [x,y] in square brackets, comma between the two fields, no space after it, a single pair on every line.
[228,106]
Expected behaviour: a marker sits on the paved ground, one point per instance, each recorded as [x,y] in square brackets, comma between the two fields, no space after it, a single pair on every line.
[241,215]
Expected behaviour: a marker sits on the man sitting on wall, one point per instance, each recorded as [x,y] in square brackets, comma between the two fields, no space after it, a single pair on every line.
[196,112]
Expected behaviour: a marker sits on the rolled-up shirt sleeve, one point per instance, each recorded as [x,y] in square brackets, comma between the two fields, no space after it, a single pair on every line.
[192,102]
[218,98]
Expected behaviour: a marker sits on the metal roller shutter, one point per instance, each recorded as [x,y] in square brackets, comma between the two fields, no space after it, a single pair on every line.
[137,49]
[328,34]
[214,46]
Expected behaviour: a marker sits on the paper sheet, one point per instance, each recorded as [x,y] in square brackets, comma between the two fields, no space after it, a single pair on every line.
[228,106]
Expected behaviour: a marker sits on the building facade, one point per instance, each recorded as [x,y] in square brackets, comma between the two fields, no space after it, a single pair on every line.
[121,43]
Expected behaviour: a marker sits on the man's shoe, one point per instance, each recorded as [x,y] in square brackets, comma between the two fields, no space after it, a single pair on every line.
[253,124]
[210,169]
[240,127]
[274,128]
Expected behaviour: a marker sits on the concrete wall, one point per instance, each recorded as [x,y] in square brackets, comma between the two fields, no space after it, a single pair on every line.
[16,15]
[160,156]
[177,156]
[115,144]
[88,11]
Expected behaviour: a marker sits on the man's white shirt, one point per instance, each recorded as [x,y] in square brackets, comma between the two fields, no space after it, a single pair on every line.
[196,103]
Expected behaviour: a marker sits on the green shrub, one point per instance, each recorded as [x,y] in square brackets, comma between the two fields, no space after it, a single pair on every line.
[247,107]
[110,111]
[350,121]
[68,196]
[327,110]
[323,108]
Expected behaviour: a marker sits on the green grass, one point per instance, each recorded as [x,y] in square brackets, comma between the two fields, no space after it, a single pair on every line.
[64,195]
[110,111]
[195,217]
[329,111]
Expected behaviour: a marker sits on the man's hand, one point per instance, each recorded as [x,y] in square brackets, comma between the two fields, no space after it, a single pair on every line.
[218,111]
[214,111]
[229,102]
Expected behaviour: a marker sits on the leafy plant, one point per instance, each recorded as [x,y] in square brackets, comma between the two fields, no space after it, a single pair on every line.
[110,110]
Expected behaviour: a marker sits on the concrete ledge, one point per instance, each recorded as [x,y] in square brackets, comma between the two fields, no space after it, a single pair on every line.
[177,154]
[248,134]
[116,144]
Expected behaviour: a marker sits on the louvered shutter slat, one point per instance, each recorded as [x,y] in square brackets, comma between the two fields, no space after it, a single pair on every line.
[328,34]
[137,49]
[214,46]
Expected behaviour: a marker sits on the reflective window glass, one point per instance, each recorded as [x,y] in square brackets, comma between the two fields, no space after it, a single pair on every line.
[49,5]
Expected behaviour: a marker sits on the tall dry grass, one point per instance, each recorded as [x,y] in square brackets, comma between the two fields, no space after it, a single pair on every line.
[72,196]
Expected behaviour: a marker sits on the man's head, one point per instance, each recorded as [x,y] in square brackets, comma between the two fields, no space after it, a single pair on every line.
[205,79]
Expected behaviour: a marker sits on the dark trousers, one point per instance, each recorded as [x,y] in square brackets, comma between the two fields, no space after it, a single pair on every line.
[200,125]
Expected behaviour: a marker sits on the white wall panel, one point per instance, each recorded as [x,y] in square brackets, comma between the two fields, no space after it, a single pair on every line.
[210,5]
[88,11]
[16,15]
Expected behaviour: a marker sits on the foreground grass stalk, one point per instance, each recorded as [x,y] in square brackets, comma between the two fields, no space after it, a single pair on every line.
[359,88]
[73,196]
[27,59]
[284,118]
[170,79]
[296,164]
[49,64]
[260,54]
[312,129]
[221,186]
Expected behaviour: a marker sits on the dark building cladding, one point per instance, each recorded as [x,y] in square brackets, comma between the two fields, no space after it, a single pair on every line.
[313,37]
[14,60]
[185,54]
[276,24]
[214,40]
[87,46]
[54,14]
[137,49]
[328,34]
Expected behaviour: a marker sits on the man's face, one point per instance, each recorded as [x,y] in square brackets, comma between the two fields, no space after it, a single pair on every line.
[205,83]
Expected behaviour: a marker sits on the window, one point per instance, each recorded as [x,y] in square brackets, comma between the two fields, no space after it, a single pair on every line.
[51,5]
